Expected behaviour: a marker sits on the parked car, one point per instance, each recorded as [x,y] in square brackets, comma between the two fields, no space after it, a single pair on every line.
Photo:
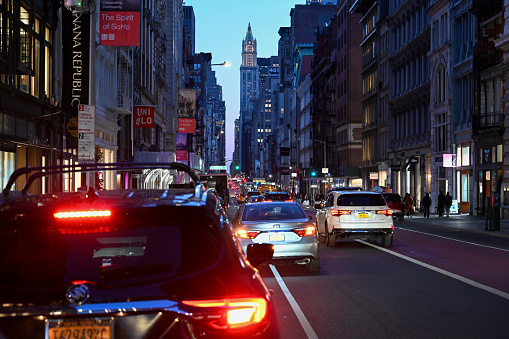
[283,224]
[395,203]
[354,215]
[277,196]
[127,263]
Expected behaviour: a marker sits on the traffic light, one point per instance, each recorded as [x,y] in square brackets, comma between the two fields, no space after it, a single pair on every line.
[313,173]
[237,167]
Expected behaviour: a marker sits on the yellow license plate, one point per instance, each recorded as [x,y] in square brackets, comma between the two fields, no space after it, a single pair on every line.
[79,328]
[363,215]
[276,237]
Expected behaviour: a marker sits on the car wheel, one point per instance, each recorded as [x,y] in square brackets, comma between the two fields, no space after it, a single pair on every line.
[387,240]
[313,266]
[330,239]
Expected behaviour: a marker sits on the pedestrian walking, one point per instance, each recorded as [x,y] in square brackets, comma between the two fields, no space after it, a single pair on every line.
[409,205]
[447,204]
[426,203]
[441,201]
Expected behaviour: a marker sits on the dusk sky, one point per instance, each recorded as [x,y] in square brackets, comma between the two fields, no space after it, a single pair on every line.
[221,26]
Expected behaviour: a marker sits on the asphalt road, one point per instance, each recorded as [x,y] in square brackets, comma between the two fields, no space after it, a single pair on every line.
[424,286]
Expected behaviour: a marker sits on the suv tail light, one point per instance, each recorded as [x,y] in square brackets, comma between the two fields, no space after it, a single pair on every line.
[229,313]
[82,214]
[337,213]
[386,212]
[246,234]
[305,231]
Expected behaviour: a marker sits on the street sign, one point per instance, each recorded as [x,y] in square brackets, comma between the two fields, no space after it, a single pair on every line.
[273,71]
[86,119]
[325,170]
[86,146]
[217,168]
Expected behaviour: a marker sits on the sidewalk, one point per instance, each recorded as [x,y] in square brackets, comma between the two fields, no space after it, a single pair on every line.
[461,221]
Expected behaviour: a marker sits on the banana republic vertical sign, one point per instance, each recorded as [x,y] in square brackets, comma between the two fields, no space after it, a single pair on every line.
[76,55]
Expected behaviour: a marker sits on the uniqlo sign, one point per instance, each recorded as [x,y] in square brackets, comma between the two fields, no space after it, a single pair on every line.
[186,125]
[143,117]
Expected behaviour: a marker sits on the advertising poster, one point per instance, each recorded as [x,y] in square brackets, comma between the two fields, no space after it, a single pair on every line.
[119,23]
[186,125]
[182,155]
[187,103]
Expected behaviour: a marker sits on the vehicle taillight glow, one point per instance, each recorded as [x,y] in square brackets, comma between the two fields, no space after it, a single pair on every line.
[246,234]
[239,312]
[386,212]
[337,213]
[291,200]
[82,214]
[305,231]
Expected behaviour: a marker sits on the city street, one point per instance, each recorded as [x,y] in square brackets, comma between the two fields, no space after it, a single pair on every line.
[424,286]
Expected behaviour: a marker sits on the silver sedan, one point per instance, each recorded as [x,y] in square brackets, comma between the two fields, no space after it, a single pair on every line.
[283,224]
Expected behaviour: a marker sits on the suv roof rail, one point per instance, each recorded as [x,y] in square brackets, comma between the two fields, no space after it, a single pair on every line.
[91,167]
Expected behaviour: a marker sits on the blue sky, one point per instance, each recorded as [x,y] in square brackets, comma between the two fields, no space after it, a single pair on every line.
[220,27]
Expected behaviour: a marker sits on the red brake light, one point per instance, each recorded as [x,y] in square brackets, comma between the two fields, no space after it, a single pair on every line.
[81,222]
[386,212]
[82,214]
[305,231]
[291,200]
[246,234]
[336,213]
[230,313]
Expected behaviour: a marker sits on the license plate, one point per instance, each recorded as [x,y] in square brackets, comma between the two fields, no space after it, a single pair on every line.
[363,215]
[96,328]
[276,237]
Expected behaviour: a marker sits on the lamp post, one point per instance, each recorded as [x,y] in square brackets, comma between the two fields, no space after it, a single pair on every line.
[177,95]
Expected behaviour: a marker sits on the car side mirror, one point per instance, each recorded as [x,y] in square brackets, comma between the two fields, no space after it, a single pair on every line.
[259,253]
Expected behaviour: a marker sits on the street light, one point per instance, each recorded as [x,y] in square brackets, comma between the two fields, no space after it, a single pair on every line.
[177,95]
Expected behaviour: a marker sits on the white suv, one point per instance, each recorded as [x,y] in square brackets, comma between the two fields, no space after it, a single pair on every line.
[354,215]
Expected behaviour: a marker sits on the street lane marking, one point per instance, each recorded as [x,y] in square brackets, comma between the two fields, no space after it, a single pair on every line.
[465,242]
[298,312]
[441,271]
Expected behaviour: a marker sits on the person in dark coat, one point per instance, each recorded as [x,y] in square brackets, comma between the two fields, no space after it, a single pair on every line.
[441,201]
[426,203]
[447,204]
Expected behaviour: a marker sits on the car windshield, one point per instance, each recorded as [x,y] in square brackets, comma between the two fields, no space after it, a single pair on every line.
[136,247]
[361,200]
[270,211]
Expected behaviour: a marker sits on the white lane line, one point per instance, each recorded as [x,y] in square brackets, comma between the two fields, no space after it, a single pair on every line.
[441,271]
[462,241]
[298,312]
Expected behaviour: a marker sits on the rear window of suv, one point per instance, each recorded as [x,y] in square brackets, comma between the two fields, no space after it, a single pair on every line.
[392,197]
[277,196]
[361,200]
[133,246]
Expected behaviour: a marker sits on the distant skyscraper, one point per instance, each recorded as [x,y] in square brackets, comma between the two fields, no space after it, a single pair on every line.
[248,70]
[248,92]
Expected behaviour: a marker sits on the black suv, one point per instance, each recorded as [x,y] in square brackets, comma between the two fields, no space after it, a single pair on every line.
[126,263]
[277,196]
